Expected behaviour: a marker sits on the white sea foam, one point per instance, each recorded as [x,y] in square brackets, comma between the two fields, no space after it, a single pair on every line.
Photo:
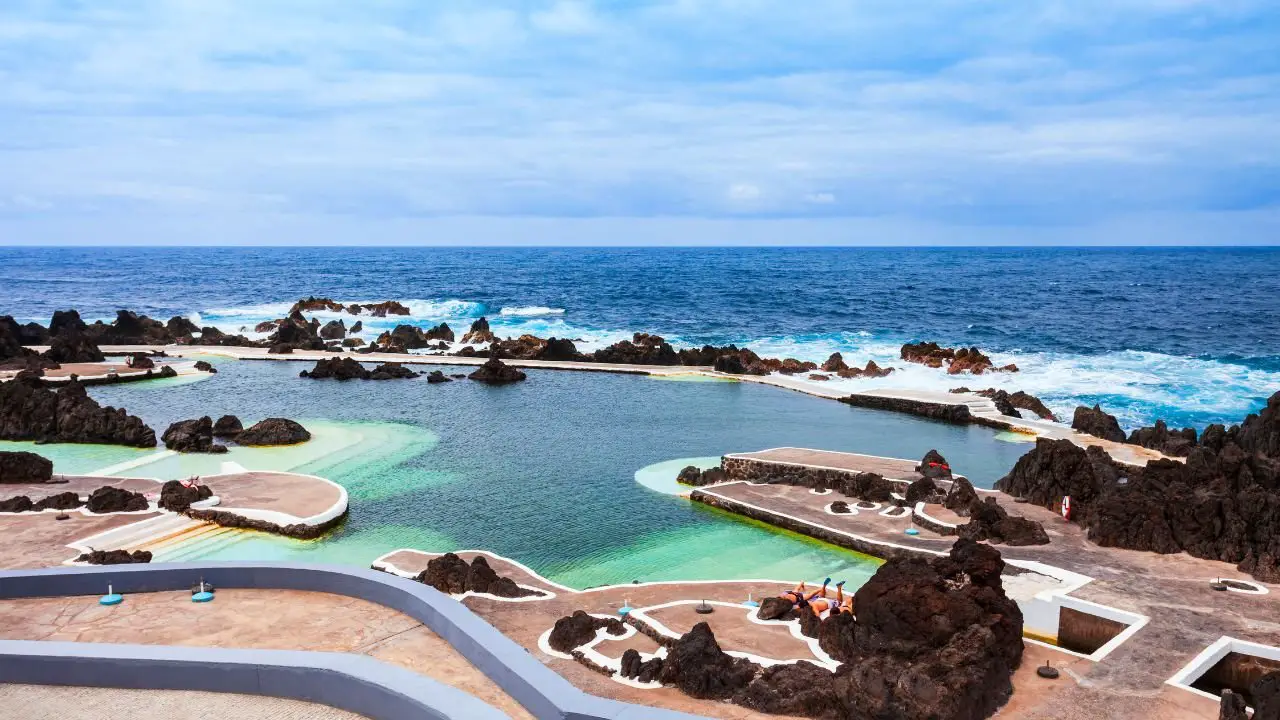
[530,311]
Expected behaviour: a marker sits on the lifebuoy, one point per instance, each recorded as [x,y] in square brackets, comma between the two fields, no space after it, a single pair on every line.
[1066,507]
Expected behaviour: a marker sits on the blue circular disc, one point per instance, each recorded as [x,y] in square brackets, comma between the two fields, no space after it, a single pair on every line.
[624,611]
[202,597]
[912,531]
[112,599]
[751,603]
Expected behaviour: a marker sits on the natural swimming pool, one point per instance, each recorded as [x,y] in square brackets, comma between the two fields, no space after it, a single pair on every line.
[543,471]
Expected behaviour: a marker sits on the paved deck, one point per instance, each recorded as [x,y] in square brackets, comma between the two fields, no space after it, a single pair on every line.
[255,619]
[45,702]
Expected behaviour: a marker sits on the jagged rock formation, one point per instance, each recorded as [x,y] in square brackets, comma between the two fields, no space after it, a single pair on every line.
[641,349]
[192,436]
[991,522]
[436,376]
[410,337]
[872,370]
[1219,505]
[24,467]
[313,303]
[333,330]
[1097,423]
[451,574]
[336,369]
[691,475]
[496,372]
[1177,443]
[834,363]
[933,639]
[274,431]
[140,361]
[295,332]
[840,507]
[204,366]
[644,671]
[177,496]
[971,360]
[573,631]
[112,499]
[934,466]
[213,336]
[228,426]
[29,411]
[924,490]
[960,497]
[479,332]
[1265,696]
[114,557]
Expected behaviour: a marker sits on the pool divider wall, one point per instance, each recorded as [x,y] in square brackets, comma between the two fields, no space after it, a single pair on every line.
[539,689]
[1208,660]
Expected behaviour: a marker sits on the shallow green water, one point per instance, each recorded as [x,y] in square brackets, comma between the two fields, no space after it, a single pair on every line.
[551,472]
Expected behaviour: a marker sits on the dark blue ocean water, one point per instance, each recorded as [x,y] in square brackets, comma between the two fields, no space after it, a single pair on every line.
[1192,335]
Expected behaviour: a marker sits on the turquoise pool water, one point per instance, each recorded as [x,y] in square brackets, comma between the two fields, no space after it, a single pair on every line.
[557,472]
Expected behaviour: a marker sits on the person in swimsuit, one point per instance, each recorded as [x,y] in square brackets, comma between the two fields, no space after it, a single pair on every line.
[820,606]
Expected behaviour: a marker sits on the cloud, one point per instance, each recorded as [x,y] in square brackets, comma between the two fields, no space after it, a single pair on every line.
[1037,115]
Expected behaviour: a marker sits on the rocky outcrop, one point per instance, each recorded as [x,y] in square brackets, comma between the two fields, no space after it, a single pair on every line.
[204,366]
[834,363]
[139,361]
[24,467]
[72,346]
[792,366]
[990,522]
[1265,692]
[213,336]
[934,466]
[1222,505]
[1177,443]
[957,413]
[574,631]
[451,574]
[641,349]
[274,431]
[177,496]
[691,475]
[436,377]
[29,411]
[1010,403]
[333,330]
[227,426]
[392,371]
[970,360]
[381,309]
[62,501]
[496,372]
[1094,421]
[775,608]
[313,304]
[410,337]
[872,370]
[19,504]
[933,639]
[336,369]
[960,497]
[840,507]
[114,557]
[479,332]
[192,436]
[295,332]
[112,499]
[924,490]
[634,668]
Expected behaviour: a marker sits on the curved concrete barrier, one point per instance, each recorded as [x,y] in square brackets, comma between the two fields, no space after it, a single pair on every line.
[539,689]
[357,683]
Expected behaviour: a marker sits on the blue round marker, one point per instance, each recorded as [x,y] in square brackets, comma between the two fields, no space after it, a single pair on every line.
[912,531]
[624,610]
[111,599]
[202,596]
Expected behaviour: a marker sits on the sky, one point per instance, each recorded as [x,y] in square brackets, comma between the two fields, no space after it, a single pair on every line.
[561,122]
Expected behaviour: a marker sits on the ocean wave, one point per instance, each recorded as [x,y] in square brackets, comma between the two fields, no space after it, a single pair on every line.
[530,311]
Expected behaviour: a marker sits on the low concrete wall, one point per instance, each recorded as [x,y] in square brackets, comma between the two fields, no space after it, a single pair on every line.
[958,413]
[922,518]
[353,682]
[535,686]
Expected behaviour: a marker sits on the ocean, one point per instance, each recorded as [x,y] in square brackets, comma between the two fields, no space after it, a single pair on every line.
[1188,335]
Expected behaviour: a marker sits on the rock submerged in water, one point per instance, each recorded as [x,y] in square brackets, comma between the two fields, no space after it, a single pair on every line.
[956,360]
[578,629]
[24,467]
[346,368]
[496,372]
[479,333]
[112,499]
[274,431]
[30,411]
[228,426]
[436,377]
[192,436]
[204,366]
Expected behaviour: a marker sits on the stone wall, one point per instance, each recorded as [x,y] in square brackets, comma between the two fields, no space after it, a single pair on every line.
[761,471]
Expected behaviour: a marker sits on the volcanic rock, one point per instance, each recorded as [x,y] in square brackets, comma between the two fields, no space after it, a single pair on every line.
[691,475]
[643,671]
[336,369]
[383,309]
[140,361]
[29,411]
[411,337]
[192,436]
[840,507]
[358,327]
[971,360]
[115,557]
[775,608]
[792,366]
[227,426]
[436,376]
[835,363]
[641,349]
[204,366]
[352,342]
[450,574]
[1097,423]
[333,330]
[313,304]
[274,431]
[391,371]
[1018,401]
[177,496]
[1260,433]
[923,490]
[181,328]
[578,629]
[960,497]
[24,467]
[1265,692]
[73,347]
[495,371]
[112,499]
[697,666]
[479,332]
[61,501]
[1177,443]
[19,504]
[933,465]
[991,522]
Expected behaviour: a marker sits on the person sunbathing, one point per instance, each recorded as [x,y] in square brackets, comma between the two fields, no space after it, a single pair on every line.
[796,593]
[823,605]
[846,606]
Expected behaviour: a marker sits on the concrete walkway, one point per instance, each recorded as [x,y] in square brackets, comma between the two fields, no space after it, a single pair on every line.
[45,702]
